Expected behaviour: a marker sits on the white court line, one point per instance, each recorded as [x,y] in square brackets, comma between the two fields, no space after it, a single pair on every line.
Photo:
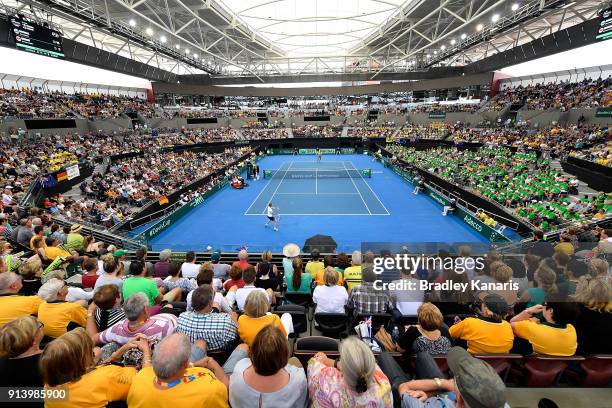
[262,190]
[316,181]
[353,181]
[366,183]
[317,194]
[279,184]
[314,215]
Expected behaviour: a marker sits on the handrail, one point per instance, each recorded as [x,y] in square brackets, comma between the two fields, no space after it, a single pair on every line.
[104,235]
[26,200]
[150,217]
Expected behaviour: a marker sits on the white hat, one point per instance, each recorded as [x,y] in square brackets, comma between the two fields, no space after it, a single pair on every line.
[291,250]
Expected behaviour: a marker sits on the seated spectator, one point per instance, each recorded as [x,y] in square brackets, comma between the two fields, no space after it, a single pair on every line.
[555,336]
[546,279]
[328,261]
[139,282]
[296,280]
[290,251]
[106,308]
[406,301]
[141,255]
[243,260]
[565,245]
[89,278]
[314,266]
[58,315]
[205,277]
[30,272]
[174,281]
[599,268]
[20,353]
[365,298]
[488,332]
[218,330]
[189,268]
[594,325]
[266,272]
[256,317]
[475,383]
[173,381]
[53,250]
[74,240]
[239,295]
[576,268]
[330,298]
[503,274]
[352,274]
[221,270]
[427,336]
[354,380]
[235,279]
[69,361]
[268,377]
[113,273]
[13,305]
[342,262]
[161,267]
[137,321]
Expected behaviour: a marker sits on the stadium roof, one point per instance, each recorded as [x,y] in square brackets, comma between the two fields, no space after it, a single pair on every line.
[263,38]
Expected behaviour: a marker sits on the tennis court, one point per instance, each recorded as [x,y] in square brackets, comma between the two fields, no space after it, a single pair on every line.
[330,187]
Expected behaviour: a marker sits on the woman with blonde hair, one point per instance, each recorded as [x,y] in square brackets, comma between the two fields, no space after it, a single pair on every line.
[69,362]
[31,272]
[256,317]
[546,279]
[355,380]
[20,353]
[267,273]
[593,327]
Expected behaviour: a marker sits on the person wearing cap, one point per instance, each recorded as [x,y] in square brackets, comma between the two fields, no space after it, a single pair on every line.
[487,332]
[58,315]
[475,383]
[13,305]
[120,255]
[290,251]
[74,240]
[220,270]
[555,336]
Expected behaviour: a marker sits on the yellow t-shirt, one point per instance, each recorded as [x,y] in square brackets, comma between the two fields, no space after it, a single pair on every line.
[565,248]
[97,388]
[352,276]
[32,242]
[547,339]
[199,388]
[483,336]
[320,280]
[53,252]
[56,316]
[14,306]
[313,268]
[248,327]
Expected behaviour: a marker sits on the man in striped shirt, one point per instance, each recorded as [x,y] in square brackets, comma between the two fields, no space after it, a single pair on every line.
[136,309]
[219,330]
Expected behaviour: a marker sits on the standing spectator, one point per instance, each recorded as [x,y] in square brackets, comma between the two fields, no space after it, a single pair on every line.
[243,260]
[352,274]
[221,270]
[58,315]
[365,298]
[173,381]
[189,268]
[69,362]
[488,332]
[330,297]
[219,330]
[89,278]
[161,267]
[268,377]
[355,380]
[20,353]
[13,305]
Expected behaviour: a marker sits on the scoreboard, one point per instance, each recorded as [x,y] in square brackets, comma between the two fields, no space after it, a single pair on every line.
[604,31]
[33,37]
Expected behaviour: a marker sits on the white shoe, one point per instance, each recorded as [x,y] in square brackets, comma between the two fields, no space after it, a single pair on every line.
[275,229]
[266,226]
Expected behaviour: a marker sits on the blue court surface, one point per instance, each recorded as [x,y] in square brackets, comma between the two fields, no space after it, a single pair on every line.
[330,197]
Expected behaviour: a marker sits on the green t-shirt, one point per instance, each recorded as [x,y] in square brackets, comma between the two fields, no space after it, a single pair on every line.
[304,284]
[75,241]
[135,284]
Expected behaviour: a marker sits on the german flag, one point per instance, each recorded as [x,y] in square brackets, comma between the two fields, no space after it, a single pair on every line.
[163,200]
[61,176]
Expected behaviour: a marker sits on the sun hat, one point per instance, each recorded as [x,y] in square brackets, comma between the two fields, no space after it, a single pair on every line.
[291,250]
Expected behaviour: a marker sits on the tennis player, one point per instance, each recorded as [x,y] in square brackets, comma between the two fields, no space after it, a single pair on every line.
[319,154]
[272,214]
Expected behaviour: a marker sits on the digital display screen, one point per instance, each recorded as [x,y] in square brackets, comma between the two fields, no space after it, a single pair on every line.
[605,24]
[33,37]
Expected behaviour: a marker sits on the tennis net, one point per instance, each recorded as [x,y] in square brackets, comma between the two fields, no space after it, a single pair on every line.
[301,174]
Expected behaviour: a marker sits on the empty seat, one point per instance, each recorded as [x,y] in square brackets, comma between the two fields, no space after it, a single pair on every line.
[331,324]
[598,369]
[545,371]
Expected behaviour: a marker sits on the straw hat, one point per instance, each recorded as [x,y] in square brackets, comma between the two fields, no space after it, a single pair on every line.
[76,228]
[291,250]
